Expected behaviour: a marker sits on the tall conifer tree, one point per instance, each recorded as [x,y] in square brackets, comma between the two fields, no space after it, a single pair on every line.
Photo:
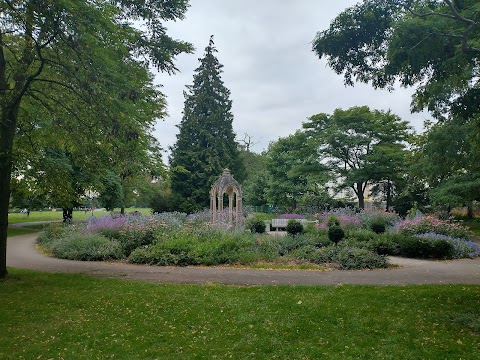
[206,141]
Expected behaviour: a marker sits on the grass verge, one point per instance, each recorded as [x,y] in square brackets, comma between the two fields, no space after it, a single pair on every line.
[78,317]
[15,218]
[23,231]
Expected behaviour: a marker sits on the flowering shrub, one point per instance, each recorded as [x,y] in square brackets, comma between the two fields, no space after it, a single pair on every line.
[350,219]
[376,218]
[177,239]
[84,247]
[105,222]
[421,224]
[461,248]
[347,219]
[348,258]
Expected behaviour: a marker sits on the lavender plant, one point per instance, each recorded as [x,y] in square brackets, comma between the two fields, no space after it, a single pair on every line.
[461,248]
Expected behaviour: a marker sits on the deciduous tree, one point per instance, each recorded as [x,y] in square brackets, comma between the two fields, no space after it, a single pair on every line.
[72,58]
[430,44]
[294,171]
[361,147]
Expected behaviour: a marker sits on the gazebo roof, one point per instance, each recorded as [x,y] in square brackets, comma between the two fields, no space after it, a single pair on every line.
[225,181]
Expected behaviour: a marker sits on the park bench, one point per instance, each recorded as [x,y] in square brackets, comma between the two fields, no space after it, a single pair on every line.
[282,223]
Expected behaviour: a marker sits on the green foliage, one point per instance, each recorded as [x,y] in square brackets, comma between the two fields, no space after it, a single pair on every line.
[112,192]
[432,46]
[294,172]
[335,234]
[428,224]
[53,232]
[378,227]
[205,144]
[332,221]
[89,247]
[362,146]
[294,227]
[348,258]
[76,88]
[130,238]
[384,245]
[362,235]
[356,259]
[255,182]
[208,247]
[414,247]
[257,226]
[429,44]
[445,157]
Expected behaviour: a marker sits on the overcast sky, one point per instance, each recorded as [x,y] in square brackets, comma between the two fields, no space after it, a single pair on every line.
[275,79]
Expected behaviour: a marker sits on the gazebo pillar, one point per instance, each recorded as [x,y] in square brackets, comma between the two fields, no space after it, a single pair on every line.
[226,184]
[239,210]
[230,207]
[213,206]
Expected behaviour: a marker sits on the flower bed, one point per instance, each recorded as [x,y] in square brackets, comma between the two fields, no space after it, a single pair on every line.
[178,239]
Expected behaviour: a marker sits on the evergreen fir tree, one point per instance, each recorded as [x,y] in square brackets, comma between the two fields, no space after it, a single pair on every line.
[206,142]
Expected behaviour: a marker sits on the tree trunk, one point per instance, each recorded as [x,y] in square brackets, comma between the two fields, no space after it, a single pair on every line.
[389,195]
[470,210]
[67,215]
[122,210]
[360,195]
[7,133]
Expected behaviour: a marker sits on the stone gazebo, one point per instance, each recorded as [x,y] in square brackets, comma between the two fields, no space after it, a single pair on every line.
[226,184]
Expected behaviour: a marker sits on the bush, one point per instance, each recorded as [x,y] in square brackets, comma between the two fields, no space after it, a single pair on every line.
[457,248]
[378,220]
[324,255]
[348,258]
[384,245]
[257,226]
[361,235]
[176,253]
[428,224]
[335,234]
[53,232]
[85,247]
[132,238]
[356,259]
[425,247]
[294,227]
[333,221]
[378,227]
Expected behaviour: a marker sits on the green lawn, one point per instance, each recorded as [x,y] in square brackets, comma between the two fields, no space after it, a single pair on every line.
[15,218]
[15,232]
[78,317]
[474,225]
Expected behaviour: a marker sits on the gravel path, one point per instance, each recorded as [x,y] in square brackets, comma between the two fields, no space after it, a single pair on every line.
[22,253]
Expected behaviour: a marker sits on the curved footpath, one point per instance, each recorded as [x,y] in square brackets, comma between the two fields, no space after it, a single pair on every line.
[22,253]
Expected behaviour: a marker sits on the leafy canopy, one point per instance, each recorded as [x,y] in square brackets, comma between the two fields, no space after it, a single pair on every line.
[431,44]
[359,146]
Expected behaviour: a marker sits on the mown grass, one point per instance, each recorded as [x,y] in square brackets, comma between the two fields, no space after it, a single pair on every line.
[77,317]
[15,232]
[15,218]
